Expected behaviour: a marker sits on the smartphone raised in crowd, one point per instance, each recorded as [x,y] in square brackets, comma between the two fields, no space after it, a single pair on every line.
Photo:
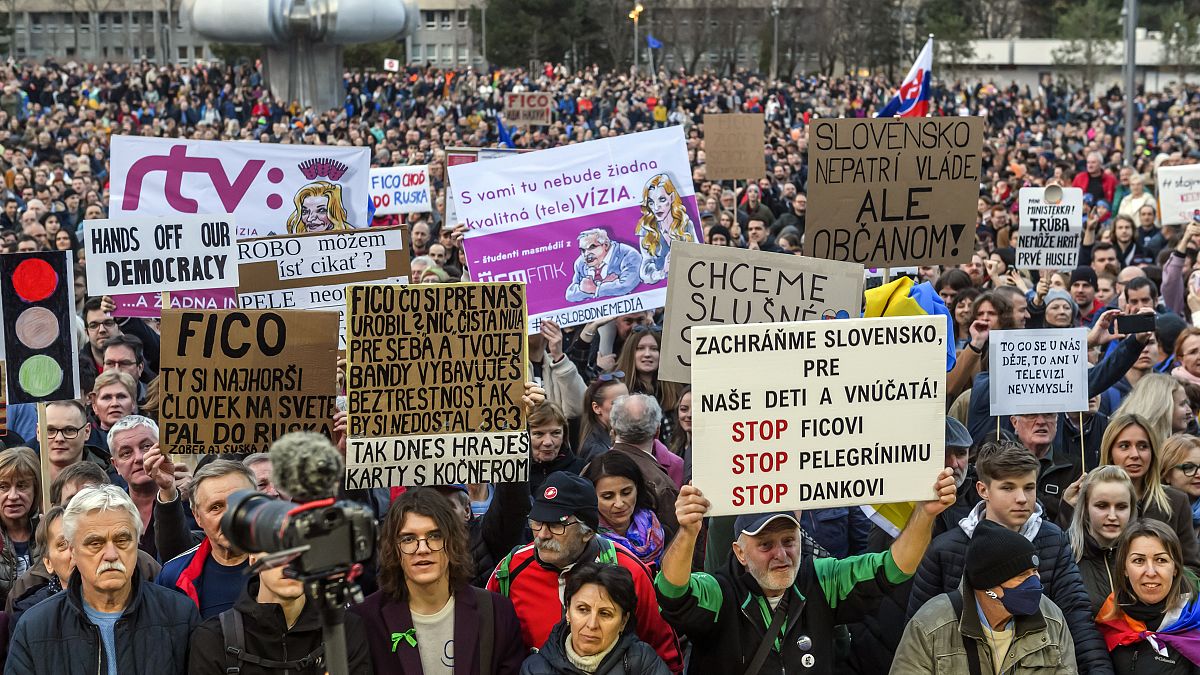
[1129,324]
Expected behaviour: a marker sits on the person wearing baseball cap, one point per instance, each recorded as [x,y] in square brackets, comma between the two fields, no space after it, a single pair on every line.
[564,518]
[768,588]
[997,621]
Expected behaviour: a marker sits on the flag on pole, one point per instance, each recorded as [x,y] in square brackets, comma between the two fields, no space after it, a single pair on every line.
[651,42]
[505,136]
[912,99]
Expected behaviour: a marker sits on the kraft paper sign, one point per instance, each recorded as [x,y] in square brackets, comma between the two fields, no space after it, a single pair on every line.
[733,147]
[890,192]
[234,381]
[435,375]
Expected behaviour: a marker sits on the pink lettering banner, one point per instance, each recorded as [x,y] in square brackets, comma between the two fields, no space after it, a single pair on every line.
[149,305]
[268,188]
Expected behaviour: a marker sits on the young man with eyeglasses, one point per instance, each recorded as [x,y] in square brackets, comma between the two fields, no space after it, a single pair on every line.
[102,327]
[68,430]
[564,519]
[426,619]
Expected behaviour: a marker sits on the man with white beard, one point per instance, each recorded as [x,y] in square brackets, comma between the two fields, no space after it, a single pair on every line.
[768,589]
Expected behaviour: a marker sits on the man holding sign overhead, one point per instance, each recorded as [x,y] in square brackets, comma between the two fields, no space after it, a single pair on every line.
[767,589]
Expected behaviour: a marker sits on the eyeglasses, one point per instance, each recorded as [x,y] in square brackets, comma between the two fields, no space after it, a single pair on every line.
[644,328]
[124,363]
[67,432]
[409,544]
[614,375]
[95,325]
[1188,469]
[555,528]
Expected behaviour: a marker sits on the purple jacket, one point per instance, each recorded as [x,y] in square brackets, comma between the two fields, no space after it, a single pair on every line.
[384,617]
[670,462]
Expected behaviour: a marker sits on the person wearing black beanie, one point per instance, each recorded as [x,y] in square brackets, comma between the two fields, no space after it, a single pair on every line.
[997,621]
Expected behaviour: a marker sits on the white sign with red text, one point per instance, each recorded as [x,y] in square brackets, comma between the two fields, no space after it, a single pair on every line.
[832,413]
[400,189]
[268,188]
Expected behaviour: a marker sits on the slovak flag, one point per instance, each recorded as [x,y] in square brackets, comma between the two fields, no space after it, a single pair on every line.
[912,99]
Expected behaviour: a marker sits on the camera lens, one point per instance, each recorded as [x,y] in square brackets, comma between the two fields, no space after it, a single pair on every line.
[254,522]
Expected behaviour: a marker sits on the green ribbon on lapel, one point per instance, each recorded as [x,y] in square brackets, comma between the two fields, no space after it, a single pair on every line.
[409,636]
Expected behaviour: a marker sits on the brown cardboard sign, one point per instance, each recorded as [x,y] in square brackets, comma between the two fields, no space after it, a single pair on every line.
[434,378]
[891,192]
[711,285]
[733,147]
[236,380]
[528,108]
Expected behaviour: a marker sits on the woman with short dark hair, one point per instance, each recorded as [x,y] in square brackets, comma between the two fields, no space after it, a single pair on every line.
[595,636]
[424,606]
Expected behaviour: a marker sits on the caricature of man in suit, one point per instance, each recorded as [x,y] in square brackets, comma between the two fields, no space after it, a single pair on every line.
[605,268]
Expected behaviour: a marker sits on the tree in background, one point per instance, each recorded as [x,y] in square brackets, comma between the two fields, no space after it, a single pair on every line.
[1180,27]
[953,30]
[1092,31]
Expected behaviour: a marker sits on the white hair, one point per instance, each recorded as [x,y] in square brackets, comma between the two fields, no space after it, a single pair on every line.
[131,422]
[98,498]
[599,233]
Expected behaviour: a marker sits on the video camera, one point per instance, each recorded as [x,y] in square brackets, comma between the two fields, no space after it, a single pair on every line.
[319,539]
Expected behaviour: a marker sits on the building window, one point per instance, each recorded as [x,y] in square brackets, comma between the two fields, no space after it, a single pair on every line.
[430,20]
[70,52]
[431,53]
[119,52]
[36,21]
[199,52]
[135,18]
[462,18]
[118,20]
[85,23]
[150,53]
[463,59]
[445,16]
[183,53]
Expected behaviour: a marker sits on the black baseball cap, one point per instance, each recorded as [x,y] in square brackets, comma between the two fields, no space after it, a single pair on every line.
[754,523]
[563,495]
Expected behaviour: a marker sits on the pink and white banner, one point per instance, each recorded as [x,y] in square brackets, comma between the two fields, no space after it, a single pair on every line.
[588,227]
[268,188]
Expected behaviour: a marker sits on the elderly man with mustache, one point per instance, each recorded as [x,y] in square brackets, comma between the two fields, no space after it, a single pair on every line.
[109,619]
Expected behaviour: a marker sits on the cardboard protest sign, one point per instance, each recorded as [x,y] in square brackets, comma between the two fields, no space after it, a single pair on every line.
[1050,232]
[41,347]
[434,376]
[725,285]
[267,188]
[234,381]
[400,189]
[1178,193]
[310,271]
[894,191]
[528,108]
[818,414]
[589,226]
[733,147]
[148,255]
[149,305]
[1041,370]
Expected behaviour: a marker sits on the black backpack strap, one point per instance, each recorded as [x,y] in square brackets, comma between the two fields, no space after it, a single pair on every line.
[235,640]
[969,644]
[233,631]
[487,630]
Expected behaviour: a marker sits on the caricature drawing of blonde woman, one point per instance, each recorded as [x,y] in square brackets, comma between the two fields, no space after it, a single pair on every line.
[318,209]
[664,220]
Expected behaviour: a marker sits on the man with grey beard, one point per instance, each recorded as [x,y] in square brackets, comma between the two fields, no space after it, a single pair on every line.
[108,620]
[564,519]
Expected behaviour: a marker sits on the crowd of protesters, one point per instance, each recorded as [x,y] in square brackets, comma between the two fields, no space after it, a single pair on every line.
[1057,543]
